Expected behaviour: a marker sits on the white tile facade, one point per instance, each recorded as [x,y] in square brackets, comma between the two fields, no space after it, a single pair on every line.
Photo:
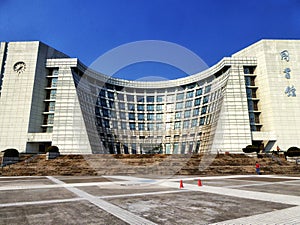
[279,113]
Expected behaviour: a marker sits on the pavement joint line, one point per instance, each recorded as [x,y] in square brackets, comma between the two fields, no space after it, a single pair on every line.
[279,198]
[262,196]
[217,177]
[14,177]
[7,181]
[64,185]
[277,176]
[40,202]
[260,184]
[143,194]
[202,178]
[118,212]
[278,217]
[287,216]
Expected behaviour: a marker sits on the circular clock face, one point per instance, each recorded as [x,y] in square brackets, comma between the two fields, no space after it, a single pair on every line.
[19,67]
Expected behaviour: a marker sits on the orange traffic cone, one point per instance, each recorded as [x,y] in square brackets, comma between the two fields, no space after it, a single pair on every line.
[181,184]
[199,183]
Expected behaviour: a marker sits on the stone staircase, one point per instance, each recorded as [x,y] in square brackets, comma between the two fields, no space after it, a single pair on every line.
[136,165]
[147,165]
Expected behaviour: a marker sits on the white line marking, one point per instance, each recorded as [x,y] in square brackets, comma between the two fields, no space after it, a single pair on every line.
[143,194]
[283,216]
[122,214]
[40,202]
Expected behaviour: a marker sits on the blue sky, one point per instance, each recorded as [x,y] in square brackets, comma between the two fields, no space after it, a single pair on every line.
[210,28]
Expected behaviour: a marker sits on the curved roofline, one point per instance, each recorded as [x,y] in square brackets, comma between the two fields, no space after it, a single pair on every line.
[207,74]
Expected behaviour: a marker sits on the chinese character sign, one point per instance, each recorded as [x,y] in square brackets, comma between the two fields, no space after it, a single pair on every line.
[287,73]
[285,55]
[290,91]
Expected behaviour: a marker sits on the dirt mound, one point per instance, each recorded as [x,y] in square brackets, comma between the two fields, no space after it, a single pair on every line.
[222,164]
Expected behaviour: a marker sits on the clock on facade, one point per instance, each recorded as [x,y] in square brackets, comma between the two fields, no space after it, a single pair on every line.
[19,67]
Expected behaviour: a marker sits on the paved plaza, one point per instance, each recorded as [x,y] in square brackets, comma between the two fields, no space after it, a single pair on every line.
[239,199]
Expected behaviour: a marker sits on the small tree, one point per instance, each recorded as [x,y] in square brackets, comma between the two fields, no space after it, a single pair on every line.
[11,152]
[53,148]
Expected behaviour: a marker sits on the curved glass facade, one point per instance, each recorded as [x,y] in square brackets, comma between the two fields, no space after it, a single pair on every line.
[140,117]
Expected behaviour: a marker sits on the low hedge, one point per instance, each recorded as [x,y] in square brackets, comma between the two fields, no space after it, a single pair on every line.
[292,151]
[251,148]
[11,152]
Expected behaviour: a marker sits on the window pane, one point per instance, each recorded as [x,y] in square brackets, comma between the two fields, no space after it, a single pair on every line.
[189,104]
[54,82]
[53,94]
[159,107]
[130,107]
[150,126]
[177,115]
[150,116]
[199,92]
[122,115]
[160,98]
[159,126]
[123,125]
[105,112]
[180,96]
[141,116]
[170,98]
[196,112]
[186,124]
[121,97]
[203,110]
[110,95]
[190,94]
[141,126]
[150,98]
[159,116]
[140,98]
[103,102]
[194,122]
[207,88]
[175,148]
[132,126]
[197,101]
[205,99]
[111,104]
[130,98]
[170,107]
[202,120]
[121,105]
[150,107]
[140,107]
[179,105]
[115,124]
[187,114]
[131,116]
[106,123]
[177,125]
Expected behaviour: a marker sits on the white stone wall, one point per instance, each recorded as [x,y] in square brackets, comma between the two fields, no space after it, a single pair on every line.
[69,131]
[16,95]
[280,113]
[233,125]
[23,94]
